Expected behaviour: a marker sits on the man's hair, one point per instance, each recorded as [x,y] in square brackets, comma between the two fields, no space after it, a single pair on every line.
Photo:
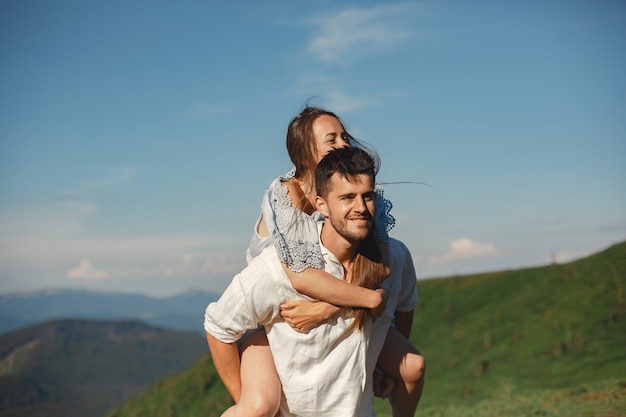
[347,163]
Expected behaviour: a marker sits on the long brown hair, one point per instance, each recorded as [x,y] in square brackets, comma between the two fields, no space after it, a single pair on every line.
[369,270]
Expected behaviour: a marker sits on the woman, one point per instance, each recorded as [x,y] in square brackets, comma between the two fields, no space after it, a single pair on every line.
[286,223]
[286,212]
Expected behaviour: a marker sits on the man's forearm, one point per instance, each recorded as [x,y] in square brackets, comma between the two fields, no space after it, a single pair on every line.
[227,363]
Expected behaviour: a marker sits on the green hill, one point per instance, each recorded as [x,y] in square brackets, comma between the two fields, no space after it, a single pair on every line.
[77,368]
[547,341]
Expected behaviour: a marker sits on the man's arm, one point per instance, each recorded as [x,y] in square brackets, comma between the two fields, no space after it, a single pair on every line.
[227,363]
[404,322]
[405,307]
[252,298]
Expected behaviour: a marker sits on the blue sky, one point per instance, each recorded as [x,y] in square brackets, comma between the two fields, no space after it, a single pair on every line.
[137,137]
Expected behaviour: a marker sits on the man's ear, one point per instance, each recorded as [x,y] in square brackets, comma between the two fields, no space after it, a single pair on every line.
[320,205]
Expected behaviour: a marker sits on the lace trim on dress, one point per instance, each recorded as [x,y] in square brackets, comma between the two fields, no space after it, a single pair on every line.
[295,236]
[384,221]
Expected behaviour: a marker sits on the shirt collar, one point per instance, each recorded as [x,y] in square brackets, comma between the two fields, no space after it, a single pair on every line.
[331,263]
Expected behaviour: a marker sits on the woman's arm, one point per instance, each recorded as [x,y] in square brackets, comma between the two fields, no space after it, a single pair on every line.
[323,286]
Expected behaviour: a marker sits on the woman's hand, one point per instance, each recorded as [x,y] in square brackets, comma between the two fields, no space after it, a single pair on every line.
[304,315]
[378,311]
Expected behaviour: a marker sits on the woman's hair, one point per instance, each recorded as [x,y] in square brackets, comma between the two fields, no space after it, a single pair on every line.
[369,268]
[301,144]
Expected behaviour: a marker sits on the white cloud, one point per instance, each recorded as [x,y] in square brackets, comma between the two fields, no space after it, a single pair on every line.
[331,94]
[123,260]
[356,32]
[565,256]
[203,264]
[465,248]
[86,271]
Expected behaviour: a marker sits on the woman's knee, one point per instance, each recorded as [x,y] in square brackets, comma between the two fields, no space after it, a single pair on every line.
[413,369]
[262,406]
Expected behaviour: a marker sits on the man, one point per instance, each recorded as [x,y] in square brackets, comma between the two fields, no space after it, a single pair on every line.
[327,371]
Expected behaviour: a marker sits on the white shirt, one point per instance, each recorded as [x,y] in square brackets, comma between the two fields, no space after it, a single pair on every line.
[323,372]
[327,371]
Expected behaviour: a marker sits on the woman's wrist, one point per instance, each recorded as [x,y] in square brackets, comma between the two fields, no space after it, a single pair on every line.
[376,298]
[327,310]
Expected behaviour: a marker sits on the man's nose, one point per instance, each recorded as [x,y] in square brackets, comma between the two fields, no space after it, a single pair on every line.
[359,205]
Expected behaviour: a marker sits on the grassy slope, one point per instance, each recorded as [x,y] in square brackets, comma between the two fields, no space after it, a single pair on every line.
[197,392]
[603,399]
[543,341]
[522,331]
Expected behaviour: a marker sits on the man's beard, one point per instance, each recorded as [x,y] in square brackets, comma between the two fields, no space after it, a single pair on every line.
[351,233]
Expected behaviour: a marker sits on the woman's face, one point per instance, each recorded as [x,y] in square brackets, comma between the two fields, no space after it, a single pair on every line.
[328,135]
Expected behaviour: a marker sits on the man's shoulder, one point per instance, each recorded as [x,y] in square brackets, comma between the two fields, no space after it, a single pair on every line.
[397,246]
[266,264]
[399,255]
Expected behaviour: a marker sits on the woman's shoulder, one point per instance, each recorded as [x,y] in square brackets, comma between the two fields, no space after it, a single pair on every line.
[278,181]
[288,176]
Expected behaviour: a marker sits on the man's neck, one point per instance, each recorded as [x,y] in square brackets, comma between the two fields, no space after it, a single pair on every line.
[343,249]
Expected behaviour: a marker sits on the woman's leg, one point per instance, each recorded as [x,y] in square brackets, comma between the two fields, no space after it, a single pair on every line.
[260,386]
[400,359]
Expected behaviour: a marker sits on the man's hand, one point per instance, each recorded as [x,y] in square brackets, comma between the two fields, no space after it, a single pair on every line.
[383,384]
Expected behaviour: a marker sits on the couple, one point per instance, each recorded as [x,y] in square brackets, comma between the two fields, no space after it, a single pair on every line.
[329,368]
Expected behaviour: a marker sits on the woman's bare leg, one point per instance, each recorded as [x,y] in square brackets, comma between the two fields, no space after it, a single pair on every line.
[400,359]
[260,386]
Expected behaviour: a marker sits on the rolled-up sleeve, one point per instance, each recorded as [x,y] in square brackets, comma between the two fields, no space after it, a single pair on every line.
[252,298]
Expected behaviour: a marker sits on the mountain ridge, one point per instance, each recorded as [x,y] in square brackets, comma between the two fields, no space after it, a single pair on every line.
[181,312]
[85,367]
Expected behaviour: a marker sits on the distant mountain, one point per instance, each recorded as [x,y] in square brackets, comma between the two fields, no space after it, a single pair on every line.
[181,312]
[78,368]
[547,341]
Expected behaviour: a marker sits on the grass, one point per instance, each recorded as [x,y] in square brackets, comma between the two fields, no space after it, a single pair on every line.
[197,392]
[547,341]
[605,399]
[542,328]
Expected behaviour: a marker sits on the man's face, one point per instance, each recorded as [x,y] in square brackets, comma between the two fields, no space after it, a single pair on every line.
[349,206]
